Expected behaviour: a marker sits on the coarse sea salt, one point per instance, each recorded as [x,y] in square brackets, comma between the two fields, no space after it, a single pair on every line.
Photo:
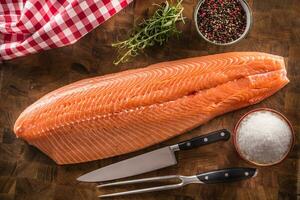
[264,137]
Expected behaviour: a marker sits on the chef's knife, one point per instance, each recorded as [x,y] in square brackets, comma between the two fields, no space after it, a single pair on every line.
[151,161]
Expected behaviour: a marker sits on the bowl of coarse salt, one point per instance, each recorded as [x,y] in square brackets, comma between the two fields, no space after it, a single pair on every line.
[263,137]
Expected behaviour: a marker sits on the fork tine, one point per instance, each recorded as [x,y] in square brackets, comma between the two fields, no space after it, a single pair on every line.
[151,189]
[143,180]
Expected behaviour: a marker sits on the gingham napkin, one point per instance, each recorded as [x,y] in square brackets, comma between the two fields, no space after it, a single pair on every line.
[30,26]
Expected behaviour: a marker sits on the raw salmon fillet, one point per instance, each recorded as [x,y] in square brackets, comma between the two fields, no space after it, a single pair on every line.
[115,114]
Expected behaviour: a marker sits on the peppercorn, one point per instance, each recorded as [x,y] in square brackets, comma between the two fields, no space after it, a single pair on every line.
[221,21]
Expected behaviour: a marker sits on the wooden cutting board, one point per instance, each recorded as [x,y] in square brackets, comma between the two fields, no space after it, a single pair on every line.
[26,173]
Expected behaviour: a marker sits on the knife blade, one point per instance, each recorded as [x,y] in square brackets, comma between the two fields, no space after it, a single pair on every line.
[152,160]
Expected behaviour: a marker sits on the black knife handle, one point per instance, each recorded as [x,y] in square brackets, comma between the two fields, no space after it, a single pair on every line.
[226,175]
[205,139]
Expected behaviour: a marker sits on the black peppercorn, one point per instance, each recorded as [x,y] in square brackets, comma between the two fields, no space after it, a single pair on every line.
[221,21]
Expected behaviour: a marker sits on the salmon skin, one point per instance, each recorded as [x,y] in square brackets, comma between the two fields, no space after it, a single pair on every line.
[119,113]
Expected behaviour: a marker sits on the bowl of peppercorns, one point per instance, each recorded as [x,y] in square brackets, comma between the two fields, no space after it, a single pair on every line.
[223,22]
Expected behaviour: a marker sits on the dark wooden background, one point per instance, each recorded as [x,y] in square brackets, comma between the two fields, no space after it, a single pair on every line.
[26,173]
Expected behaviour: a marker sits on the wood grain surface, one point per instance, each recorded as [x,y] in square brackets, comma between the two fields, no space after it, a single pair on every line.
[26,173]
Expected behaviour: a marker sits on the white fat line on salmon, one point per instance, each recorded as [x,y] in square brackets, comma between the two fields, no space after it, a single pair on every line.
[126,111]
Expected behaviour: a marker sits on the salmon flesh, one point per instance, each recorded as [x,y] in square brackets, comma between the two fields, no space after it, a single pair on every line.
[119,113]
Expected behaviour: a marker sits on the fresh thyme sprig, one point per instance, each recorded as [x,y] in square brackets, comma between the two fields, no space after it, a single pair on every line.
[155,30]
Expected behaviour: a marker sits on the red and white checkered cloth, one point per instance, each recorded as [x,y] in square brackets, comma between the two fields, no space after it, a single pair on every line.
[29,26]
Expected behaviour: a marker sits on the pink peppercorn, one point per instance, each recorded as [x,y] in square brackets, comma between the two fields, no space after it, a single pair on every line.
[221,21]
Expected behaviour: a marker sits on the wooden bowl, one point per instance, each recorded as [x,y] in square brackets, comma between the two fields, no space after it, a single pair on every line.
[235,136]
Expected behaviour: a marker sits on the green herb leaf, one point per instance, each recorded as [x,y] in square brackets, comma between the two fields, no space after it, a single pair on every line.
[155,30]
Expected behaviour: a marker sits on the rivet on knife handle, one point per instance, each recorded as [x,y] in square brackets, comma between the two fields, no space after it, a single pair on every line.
[205,139]
[227,175]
